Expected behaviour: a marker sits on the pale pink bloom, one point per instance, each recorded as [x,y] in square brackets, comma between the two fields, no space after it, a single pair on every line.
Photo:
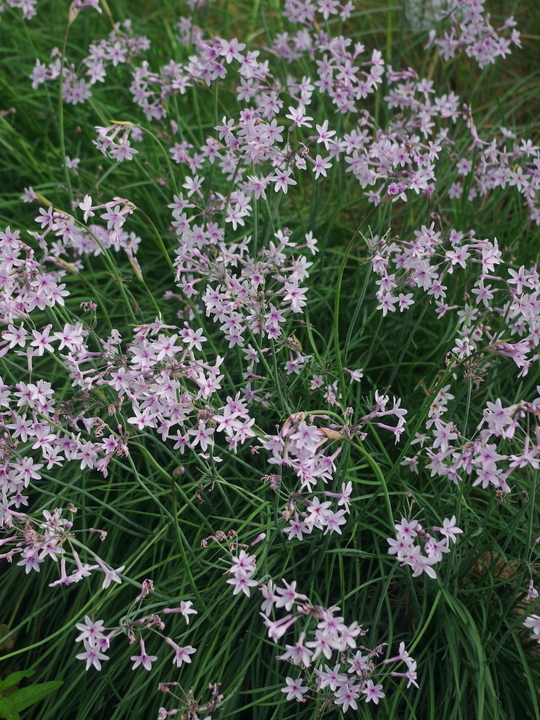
[143,659]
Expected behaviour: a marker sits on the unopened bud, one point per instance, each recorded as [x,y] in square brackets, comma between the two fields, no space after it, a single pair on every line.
[258,539]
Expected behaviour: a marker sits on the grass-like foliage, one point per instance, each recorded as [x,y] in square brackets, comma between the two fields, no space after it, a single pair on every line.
[269,357]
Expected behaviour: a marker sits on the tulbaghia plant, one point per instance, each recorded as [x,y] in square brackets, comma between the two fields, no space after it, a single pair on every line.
[262,336]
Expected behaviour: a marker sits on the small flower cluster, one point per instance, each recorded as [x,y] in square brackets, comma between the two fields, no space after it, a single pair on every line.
[242,570]
[501,163]
[473,32]
[112,146]
[301,447]
[96,638]
[169,389]
[27,7]
[190,708]
[406,547]
[25,285]
[119,48]
[34,542]
[74,241]
[248,296]
[480,455]
[351,668]
[304,12]
[424,262]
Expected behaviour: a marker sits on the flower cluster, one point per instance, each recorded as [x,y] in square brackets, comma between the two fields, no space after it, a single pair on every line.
[111,145]
[351,667]
[34,542]
[242,570]
[96,638]
[25,284]
[496,309]
[76,241]
[32,418]
[473,32]
[393,159]
[450,455]
[119,48]
[502,163]
[248,296]
[302,447]
[27,7]
[412,539]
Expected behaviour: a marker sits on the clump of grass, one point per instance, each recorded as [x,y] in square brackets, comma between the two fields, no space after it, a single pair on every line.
[269,361]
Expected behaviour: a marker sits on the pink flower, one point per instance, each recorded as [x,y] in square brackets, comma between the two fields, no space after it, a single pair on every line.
[295,690]
[299,117]
[230,50]
[449,528]
[242,583]
[181,654]
[92,656]
[185,610]
[373,692]
[143,659]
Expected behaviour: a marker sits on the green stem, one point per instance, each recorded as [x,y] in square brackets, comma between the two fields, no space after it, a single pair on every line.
[181,539]
[167,158]
[337,300]
[158,238]
[113,269]
[233,182]
[379,474]
[61,118]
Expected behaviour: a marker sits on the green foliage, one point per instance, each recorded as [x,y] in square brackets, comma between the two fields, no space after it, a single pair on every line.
[13,704]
